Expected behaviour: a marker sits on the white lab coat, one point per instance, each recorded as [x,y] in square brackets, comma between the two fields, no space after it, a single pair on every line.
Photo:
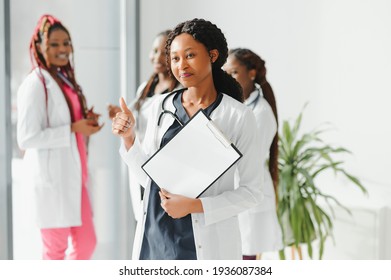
[216,231]
[259,226]
[52,156]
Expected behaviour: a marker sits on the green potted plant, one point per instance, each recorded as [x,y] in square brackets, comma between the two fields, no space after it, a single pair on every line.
[302,158]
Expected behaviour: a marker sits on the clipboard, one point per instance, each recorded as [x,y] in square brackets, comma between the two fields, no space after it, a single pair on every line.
[194,159]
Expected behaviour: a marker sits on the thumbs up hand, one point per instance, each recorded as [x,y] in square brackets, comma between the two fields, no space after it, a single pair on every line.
[123,124]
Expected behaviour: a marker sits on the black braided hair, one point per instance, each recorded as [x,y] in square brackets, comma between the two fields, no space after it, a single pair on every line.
[212,38]
[154,76]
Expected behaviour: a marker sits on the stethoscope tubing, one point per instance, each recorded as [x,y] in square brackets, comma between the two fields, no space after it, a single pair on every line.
[165,111]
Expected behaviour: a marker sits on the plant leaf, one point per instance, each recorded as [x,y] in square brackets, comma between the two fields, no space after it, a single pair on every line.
[354,179]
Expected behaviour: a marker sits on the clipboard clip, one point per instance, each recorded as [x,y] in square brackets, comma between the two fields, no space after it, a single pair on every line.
[218,134]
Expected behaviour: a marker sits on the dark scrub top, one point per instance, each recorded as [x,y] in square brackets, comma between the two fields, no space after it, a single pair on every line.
[166,238]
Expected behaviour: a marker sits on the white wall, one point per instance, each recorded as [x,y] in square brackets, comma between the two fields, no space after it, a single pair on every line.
[334,54]
[95,29]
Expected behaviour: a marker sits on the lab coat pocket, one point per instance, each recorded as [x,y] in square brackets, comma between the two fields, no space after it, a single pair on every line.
[229,237]
[42,169]
[49,164]
[47,192]
[48,205]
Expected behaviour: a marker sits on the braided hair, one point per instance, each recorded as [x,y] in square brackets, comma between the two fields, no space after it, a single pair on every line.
[153,78]
[252,61]
[212,38]
[45,26]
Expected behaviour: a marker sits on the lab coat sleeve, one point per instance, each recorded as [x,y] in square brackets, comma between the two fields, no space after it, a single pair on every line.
[135,158]
[267,126]
[138,154]
[32,130]
[249,193]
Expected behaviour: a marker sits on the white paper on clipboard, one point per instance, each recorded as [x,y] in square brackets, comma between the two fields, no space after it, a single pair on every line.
[194,159]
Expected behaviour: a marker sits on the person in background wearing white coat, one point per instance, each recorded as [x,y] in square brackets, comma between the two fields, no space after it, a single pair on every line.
[174,226]
[260,229]
[160,82]
[53,123]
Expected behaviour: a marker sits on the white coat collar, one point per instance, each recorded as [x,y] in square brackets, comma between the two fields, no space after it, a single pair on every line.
[257,93]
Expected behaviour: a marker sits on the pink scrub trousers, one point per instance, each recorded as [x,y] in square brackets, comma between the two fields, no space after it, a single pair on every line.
[55,240]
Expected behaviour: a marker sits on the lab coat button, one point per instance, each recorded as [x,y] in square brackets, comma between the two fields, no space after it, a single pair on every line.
[199,246]
[196,221]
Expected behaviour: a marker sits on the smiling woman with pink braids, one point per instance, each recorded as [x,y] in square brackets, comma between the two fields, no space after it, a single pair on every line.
[53,127]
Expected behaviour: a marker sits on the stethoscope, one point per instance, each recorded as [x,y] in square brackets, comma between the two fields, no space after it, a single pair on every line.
[165,111]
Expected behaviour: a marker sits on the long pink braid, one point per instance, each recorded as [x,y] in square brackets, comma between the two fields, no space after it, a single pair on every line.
[42,27]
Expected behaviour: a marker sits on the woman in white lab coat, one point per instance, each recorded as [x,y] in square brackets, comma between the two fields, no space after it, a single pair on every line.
[259,226]
[53,122]
[177,227]
[159,83]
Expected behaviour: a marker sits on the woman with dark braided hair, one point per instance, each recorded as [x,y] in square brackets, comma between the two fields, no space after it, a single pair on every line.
[175,226]
[160,82]
[259,226]
[53,126]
